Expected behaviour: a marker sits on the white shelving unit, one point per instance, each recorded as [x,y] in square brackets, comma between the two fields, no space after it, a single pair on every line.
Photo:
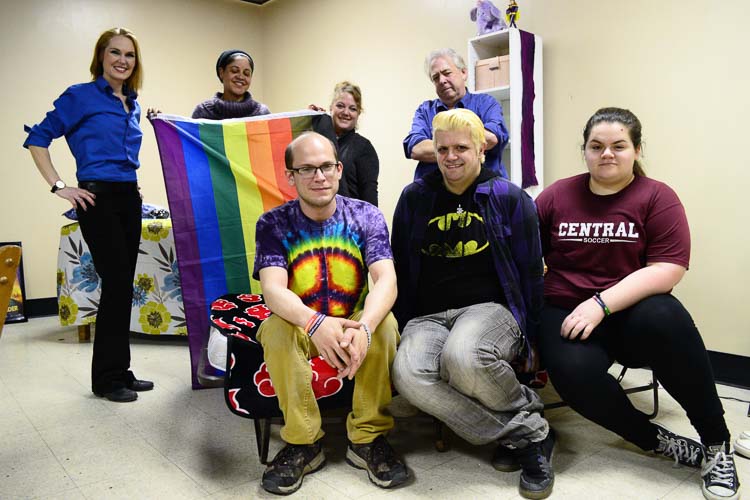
[508,42]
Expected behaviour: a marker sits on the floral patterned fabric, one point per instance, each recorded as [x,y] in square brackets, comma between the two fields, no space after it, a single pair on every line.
[157,295]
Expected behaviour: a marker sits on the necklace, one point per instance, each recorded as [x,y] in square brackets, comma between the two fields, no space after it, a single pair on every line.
[459,210]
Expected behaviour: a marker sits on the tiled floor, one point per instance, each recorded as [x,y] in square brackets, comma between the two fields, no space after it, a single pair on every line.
[58,441]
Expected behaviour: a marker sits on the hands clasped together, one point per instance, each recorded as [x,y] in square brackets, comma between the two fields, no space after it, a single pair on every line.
[342,343]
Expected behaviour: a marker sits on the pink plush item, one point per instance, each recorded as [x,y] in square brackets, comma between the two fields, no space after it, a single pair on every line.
[487,17]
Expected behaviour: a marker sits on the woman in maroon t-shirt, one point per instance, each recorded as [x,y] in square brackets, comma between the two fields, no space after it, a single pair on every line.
[616,243]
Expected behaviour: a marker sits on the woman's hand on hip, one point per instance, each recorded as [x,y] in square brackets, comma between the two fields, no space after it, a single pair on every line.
[582,321]
[77,197]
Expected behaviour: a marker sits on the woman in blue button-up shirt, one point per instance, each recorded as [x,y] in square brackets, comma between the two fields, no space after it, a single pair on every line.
[100,120]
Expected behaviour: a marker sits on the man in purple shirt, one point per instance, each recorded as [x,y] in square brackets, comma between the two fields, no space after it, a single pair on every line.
[469,268]
[447,71]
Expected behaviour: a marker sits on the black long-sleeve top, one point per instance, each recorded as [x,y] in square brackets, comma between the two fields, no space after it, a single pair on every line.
[361,168]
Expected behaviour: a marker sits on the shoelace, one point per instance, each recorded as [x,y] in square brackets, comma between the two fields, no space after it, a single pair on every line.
[679,449]
[721,470]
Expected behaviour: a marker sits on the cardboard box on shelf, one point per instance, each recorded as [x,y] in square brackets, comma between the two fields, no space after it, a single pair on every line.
[492,72]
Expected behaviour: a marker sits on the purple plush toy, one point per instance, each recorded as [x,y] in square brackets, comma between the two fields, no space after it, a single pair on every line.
[487,17]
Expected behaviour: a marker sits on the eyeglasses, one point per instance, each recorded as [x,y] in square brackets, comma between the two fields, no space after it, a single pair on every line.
[308,171]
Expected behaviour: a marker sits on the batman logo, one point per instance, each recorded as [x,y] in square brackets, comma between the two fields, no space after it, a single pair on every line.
[455,235]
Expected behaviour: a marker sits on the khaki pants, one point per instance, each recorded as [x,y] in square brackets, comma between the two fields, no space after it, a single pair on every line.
[287,351]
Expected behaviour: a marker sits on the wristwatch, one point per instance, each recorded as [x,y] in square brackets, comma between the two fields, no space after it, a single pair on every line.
[57,186]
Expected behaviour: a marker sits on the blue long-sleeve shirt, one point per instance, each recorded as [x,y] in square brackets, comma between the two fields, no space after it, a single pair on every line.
[103,137]
[486,107]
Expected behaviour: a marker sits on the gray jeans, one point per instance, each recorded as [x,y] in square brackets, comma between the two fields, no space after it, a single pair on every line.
[455,365]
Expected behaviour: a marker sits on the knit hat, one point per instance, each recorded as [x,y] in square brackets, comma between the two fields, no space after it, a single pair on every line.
[226,56]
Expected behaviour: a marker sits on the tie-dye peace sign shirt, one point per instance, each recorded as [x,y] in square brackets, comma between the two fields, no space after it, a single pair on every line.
[326,261]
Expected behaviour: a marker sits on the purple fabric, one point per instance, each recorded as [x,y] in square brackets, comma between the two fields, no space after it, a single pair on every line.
[528,165]
[183,229]
[216,108]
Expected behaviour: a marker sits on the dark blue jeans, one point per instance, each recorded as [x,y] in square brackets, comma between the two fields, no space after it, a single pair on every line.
[657,332]
[112,231]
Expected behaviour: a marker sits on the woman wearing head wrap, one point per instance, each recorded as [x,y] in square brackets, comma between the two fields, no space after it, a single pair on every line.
[235,70]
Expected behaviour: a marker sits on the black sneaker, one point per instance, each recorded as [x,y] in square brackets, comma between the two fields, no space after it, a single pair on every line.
[537,477]
[504,460]
[379,460]
[720,481]
[285,472]
[684,450]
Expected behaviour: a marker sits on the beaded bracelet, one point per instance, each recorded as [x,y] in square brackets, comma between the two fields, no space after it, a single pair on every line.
[600,301]
[369,334]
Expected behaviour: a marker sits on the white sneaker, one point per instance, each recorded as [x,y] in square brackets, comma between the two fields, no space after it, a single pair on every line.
[742,444]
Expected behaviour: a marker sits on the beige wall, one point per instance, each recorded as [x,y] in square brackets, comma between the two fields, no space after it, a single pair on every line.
[48,45]
[677,64]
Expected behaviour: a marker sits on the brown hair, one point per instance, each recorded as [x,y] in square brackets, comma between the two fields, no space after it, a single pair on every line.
[97,69]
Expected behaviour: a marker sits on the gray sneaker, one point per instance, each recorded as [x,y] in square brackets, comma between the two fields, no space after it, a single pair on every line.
[683,450]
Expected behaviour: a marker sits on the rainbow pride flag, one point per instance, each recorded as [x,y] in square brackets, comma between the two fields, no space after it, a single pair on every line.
[220,177]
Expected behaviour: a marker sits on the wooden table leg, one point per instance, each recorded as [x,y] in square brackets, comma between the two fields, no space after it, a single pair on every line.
[84,333]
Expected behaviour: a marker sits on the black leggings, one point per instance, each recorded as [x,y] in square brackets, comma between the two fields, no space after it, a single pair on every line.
[657,332]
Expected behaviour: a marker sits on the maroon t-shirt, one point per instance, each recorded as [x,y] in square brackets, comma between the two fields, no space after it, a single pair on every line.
[591,242]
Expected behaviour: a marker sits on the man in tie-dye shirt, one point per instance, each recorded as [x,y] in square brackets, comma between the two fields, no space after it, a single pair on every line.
[313,256]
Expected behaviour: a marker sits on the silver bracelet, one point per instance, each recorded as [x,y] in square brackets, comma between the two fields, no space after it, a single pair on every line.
[369,334]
